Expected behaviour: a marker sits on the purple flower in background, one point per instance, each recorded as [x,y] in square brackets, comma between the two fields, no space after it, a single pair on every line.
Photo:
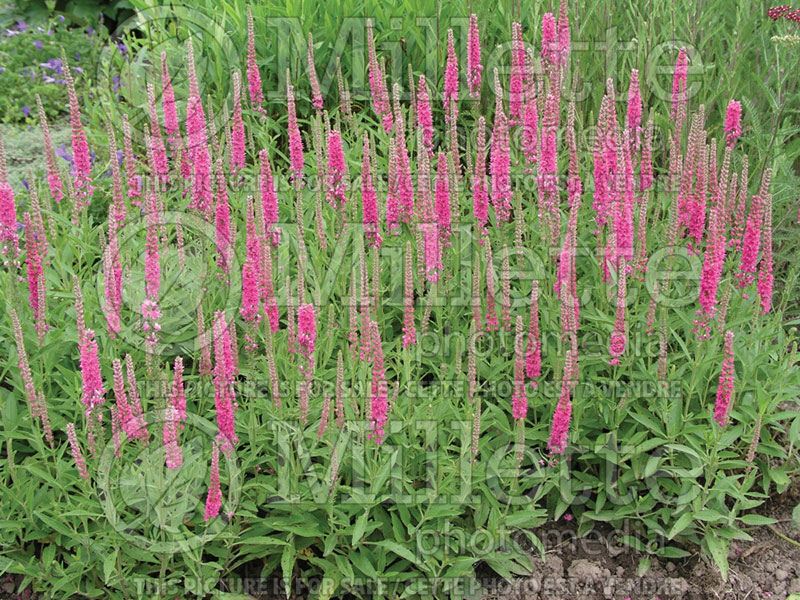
[89,31]
[11,32]
[93,156]
[61,18]
[40,29]
[49,32]
[55,64]
[2,69]
[62,152]
[123,49]
[120,156]
[77,56]
[22,26]
[25,183]
[100,18]
[38,44]
[26,110]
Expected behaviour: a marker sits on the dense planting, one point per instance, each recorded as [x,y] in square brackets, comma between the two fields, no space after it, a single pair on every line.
[372,348]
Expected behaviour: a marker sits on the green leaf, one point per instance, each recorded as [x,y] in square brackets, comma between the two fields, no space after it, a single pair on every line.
[718,548]
[398,549]
[109,564]
[753,519]
[796,517]
[360,527]
[287,565]
[682,523]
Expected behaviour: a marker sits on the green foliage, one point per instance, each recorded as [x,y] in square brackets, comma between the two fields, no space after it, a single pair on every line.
[30,58]
[417,516]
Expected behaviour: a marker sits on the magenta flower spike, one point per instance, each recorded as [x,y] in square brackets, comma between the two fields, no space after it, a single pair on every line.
[474,67]
[726,381]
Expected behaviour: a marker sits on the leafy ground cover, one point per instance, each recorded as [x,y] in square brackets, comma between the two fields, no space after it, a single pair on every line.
[384,328]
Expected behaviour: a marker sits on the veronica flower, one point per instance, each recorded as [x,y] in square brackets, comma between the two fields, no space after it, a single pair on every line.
[442,199]
[379,405]
[82,180]
[75,449]
[296,159]
[335,188]
[500,167]
[474,66]
[451,80]
[480,191]
[517,83]
[519,400]
[369,200]
[53,176]
[733,122]
[726,380]
[237,130]
[559,431]
[214,497]
[224,375]
[253,76]
[316,94]
[269,199]
[409,331]
[93,390]
[424,116]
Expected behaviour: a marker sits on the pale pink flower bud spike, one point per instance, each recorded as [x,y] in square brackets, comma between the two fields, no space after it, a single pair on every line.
[75,449]
[726,382]
[253,76]
[214,497]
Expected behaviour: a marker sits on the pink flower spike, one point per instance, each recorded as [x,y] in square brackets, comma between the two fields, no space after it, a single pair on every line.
[733,122]
[224,376]
[296,159]
[316,94]
[409,331]
[500,167]
[133,179]
[765,277]
[726,380]
[679,87]
[269,200]
[336,192]
[178,397]
[442,199]
[253,76]
[379,404]
[619,338]
[533,354]
[635,110]
[424,116]
[474,66]
[93,390]
[550,54]
[451,79]
[369,200]
[82,175]
[519,399]
[214,498]
[559,432]
[75,449]
[518,72]
[53,175]
[237,128]
[172,449]
[480,188]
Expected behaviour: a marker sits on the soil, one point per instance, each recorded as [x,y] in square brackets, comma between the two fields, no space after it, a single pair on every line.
[593,568]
